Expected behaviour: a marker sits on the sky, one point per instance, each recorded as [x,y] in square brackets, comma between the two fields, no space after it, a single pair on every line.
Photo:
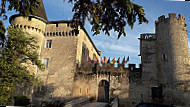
[110,46]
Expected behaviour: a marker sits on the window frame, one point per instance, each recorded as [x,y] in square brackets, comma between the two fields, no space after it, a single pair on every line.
[46,62]
[48,43]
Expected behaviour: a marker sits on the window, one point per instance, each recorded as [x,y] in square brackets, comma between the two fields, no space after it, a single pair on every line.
[83,51]
[80,90]
[48,44]
[45,62]
[164,57]
[87,91]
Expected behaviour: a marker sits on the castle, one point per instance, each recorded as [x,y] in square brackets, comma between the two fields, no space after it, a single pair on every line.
[163,75]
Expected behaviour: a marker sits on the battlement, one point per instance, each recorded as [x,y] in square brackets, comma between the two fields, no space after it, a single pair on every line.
[172,17]
[62,33]
[96,67]
[28,27]
[148,36]
[132,68]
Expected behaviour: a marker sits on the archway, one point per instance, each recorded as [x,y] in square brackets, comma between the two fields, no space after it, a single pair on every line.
[103,91]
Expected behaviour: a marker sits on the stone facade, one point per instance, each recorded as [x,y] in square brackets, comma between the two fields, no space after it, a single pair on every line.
[68,75]
[69,48]
[167,62]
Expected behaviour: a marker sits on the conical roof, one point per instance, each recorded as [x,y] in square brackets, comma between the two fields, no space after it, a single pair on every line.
[40,12]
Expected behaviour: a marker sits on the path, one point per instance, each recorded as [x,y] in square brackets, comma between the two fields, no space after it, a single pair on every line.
[95,104]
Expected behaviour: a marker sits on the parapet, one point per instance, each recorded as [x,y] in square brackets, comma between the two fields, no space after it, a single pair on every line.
[132,68]
[147,36]
[28,27]
[172,17]
[95,67]
[62,33]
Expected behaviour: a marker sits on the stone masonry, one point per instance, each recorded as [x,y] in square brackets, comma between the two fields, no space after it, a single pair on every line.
[65,50]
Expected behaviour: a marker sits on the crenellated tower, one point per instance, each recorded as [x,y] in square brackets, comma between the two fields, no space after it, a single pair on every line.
[172,50]
[173,58]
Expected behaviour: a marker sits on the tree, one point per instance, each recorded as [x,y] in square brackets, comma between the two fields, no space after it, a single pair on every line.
[18,48]
[105,15]
[25,7]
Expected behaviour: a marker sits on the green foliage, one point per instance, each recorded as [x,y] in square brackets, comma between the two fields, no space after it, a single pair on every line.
[25,7]
[103,15]
[106,15]
[19,49]
[2,32]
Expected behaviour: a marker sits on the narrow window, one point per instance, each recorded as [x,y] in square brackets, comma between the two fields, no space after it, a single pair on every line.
[45,62]
[48,43]
[87,90]
[83,51]
[56,24]
[164,57]
[80,90]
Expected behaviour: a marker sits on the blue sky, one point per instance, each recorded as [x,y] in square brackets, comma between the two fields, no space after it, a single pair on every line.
[125,46]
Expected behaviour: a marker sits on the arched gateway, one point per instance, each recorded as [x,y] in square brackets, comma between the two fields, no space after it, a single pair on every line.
[103,91]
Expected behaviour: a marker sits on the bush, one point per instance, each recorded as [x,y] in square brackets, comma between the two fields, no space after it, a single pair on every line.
[21,101]
[92,99]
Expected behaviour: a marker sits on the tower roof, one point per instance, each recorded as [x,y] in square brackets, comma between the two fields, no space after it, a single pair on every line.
[40,12]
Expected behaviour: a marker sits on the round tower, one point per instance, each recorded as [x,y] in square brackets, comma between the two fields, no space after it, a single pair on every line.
[33,24]
[172,51]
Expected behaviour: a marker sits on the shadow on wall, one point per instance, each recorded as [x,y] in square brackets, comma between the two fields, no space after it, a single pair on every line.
[159,94]
[43,97]
[131,95]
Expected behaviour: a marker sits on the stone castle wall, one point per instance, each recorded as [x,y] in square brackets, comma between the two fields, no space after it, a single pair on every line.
[35,27]
[172,42]
[63,28]
[61,69]
[164,56]
[173,56]
[149,65]
[64,56]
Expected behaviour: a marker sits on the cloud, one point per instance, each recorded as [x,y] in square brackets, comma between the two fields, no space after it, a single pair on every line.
[116,47]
